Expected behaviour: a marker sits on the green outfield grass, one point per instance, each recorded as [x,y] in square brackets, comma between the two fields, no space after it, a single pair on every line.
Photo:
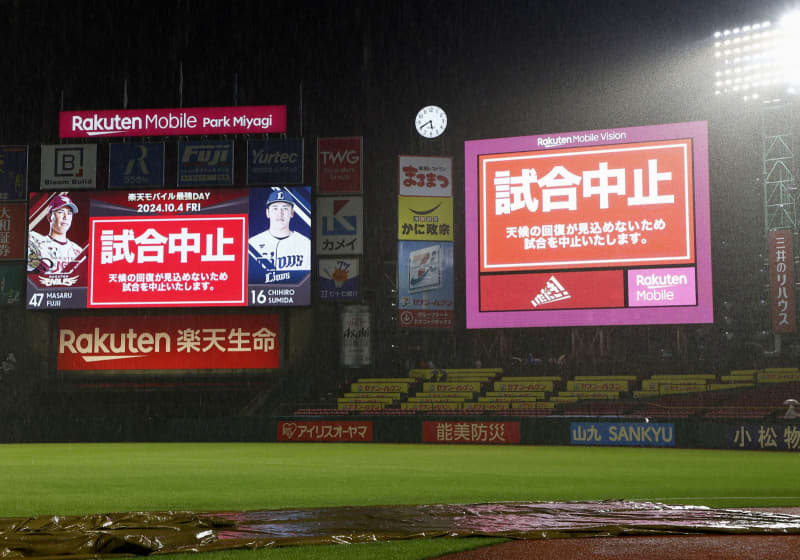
[99,478]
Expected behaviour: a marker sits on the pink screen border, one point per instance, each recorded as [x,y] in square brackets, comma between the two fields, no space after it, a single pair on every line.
[703,312]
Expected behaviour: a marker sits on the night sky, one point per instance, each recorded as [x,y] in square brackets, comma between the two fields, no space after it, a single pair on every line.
[498,68]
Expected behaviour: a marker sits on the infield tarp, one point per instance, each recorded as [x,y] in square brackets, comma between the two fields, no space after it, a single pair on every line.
[143,533]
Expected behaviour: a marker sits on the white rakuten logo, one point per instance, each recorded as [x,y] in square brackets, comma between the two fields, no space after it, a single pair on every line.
[99,126]
[98,346]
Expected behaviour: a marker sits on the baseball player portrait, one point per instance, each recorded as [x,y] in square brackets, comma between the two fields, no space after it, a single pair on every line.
[280,247]
[54,253]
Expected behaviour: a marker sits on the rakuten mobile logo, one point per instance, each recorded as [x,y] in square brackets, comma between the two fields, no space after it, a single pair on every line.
[552,292]
[96,346]
[100,126]
[348,156]
[164,122]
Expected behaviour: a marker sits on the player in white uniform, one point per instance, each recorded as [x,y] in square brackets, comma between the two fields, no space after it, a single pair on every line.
[280,248]
[54,253]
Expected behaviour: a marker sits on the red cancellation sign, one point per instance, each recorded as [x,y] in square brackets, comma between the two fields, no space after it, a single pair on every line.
[176,260]
[324,431]
[471,432]
[781,281]
[587,207]
[169,342]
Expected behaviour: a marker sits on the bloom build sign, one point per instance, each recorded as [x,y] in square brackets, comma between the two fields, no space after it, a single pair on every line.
[169,342]
[173,122]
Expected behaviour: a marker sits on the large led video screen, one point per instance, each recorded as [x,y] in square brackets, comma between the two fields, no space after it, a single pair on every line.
[597,227]
[170,248]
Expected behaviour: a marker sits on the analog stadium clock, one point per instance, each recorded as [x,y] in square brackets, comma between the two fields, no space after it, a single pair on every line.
[431,121]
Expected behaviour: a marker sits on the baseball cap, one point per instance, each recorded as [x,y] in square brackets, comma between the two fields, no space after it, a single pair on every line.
[61,200]
[279,196]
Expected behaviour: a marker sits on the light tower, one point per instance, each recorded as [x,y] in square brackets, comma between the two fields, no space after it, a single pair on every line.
[759,65]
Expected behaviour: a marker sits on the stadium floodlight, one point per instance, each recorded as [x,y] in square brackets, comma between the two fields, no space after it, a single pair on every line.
[758,62]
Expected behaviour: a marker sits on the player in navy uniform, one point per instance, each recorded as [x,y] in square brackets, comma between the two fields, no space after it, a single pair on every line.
[280,248]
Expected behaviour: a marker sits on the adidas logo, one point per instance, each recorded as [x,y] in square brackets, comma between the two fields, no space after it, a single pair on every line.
[552,292]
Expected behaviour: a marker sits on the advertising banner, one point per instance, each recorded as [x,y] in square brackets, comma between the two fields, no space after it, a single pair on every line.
[425,176]
[68,167]
[275,161]
[168,248]
[11,275]
[629,202]
[356,336]
[261,119]
[339,165]
[765,437]
[12,231]
[781,281]
[136,165]
[425,284]
[169,342]
[206,163]
[279,246]
[425,218]
[322,430]
[639,434]
[339,279]
[340,225]
[471,432]
[13,173]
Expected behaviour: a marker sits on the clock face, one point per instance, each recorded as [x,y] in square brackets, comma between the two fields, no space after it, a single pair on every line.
[431,121]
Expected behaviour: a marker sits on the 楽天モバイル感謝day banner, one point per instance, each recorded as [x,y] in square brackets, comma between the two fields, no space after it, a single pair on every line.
[155,248]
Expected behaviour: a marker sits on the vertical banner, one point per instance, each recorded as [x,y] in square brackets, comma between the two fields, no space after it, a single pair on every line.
[275,161]
[136,165]
[340,225]
[13,173]
[339,165]
[339,279]
[12,231]
[425,176]
[425,284]
[207,163]
[68,167]
[781,281]
[356,336]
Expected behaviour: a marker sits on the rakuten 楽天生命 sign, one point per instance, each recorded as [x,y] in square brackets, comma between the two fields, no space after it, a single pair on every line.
[258,119]
[169,342]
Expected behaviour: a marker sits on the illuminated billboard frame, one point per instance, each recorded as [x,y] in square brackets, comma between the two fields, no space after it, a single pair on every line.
[170,248]
[527,267]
